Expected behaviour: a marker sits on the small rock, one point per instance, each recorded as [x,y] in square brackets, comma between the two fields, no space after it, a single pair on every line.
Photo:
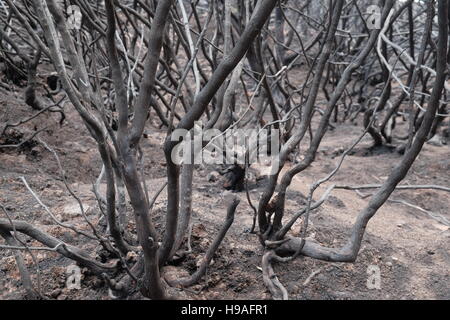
[62,297]
[199,231]
[266,296]
[441,227]
[431,252]
[213,176]
[55,293]
[73,209]
[435,141]
[172,273]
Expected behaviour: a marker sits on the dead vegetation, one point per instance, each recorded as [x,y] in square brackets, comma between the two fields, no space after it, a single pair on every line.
[359,178]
